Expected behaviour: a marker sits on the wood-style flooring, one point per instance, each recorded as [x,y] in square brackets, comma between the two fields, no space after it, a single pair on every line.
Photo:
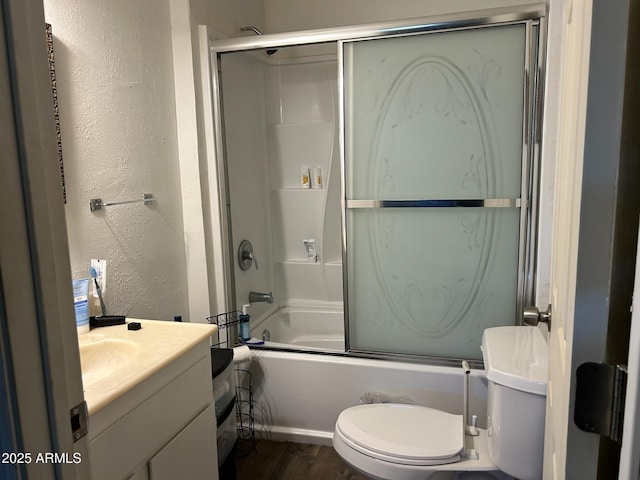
[293,461]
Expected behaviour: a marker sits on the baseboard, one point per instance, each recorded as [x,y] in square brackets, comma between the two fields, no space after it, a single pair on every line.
[296,435]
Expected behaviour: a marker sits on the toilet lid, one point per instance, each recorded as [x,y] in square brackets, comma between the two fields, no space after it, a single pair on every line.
[409,434]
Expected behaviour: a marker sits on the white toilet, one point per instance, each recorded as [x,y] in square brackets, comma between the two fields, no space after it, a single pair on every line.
[410,442]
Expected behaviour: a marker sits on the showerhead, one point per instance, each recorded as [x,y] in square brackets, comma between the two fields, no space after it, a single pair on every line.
[250,28]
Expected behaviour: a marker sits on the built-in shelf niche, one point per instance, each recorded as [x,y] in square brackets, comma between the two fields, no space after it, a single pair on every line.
[302,131]
[293,146]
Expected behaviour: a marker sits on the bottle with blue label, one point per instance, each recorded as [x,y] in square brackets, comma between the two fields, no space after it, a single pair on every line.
[81,304]
[245,327]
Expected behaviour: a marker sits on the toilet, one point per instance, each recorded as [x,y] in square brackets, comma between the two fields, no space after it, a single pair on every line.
[390,441]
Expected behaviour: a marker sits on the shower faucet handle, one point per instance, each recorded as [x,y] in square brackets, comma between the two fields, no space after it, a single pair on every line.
[251,256]
[246,257]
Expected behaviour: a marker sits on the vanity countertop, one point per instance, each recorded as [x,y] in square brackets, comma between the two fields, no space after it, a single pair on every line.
[114,360]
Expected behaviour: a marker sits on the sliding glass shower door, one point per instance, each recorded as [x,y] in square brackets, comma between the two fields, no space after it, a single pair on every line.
[436,154]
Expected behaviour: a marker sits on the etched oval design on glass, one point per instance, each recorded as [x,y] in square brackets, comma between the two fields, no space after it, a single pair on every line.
[439,118]
[461,110]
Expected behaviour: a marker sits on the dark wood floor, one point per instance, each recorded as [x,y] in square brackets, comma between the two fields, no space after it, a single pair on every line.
[293,461]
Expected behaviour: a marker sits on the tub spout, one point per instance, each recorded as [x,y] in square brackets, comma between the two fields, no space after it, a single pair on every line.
[260,297]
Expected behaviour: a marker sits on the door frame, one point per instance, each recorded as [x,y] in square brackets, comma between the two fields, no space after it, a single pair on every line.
[41,359]
[597,227]
[599,237]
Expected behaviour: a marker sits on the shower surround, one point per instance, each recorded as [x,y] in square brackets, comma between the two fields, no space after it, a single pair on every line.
[293,123]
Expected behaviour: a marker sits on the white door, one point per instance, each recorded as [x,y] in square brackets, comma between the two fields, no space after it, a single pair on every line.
[570,149]
[39,351]
[630,452]
[422,136]
[591,53]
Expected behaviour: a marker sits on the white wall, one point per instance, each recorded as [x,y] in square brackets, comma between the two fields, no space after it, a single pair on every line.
[246,146]
[123,136]
[117,113]
[303,132]
[227,16]
[290,15]
[194,23]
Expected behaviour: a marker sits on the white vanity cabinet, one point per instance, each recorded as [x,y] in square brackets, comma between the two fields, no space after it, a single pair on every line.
[189,454]
[164,425]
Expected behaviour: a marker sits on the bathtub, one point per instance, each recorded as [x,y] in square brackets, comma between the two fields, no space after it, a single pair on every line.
[312,329]
[298,396]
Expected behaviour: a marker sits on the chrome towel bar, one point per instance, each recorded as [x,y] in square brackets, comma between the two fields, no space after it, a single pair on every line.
[97,203]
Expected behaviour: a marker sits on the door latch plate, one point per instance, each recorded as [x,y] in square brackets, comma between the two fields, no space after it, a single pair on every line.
[78,416]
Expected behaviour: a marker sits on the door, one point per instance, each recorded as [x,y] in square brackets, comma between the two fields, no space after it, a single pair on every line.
[591,82]
[437,145]
[630,454]
[39,354]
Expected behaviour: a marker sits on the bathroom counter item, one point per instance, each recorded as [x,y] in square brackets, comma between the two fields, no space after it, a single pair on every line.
[107,320]
[150,400]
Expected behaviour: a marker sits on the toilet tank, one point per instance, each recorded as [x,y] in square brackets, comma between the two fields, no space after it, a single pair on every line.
[515,360]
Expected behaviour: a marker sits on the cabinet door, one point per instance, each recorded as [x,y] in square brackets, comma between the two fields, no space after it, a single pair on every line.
[190,454]
[141,474]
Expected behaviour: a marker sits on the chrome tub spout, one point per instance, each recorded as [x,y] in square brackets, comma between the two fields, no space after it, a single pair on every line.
[255,297]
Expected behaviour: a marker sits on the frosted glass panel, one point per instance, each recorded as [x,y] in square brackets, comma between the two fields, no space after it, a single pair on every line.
[430,117]
[428,282]
[439,113]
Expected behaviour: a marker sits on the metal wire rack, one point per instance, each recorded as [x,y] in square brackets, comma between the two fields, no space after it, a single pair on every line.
[246,442]
[224,321]
[244,413]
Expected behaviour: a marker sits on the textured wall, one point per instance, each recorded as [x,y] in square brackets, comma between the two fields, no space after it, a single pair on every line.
[227,16]
[192,22]
[117,113]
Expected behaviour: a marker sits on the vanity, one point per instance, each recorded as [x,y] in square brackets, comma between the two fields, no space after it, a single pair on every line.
[150,401]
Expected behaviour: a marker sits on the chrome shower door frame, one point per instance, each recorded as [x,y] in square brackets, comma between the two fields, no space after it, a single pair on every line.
[532,15]
[535,29]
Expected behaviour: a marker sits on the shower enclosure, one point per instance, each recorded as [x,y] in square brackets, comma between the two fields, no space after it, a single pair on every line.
[425,136]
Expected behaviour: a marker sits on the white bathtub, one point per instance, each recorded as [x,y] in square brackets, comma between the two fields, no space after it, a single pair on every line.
[298,396]
[305,328]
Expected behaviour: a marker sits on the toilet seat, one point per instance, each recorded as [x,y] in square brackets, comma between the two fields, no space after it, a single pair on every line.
[363,443]
[402,434]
